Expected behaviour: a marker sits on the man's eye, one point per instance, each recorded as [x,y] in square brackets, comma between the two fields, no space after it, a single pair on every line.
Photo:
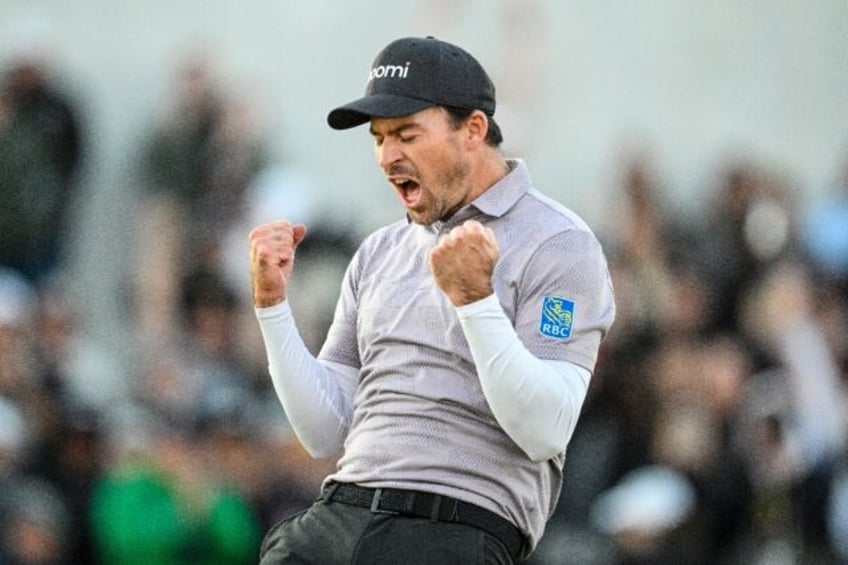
[406,138]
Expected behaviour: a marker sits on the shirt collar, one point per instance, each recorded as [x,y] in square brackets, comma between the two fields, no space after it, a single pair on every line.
[497,200]
[503,195]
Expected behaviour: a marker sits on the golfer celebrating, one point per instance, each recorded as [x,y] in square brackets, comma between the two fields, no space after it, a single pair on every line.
[463,340]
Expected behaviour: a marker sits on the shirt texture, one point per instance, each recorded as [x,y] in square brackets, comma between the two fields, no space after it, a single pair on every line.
[420,418]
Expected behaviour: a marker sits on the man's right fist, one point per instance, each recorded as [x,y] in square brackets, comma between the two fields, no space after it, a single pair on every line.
[272,248]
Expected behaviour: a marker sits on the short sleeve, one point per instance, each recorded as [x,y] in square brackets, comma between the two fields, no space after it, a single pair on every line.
[565,302]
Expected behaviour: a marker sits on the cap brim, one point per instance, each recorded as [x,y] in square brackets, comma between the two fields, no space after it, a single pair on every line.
[376,105]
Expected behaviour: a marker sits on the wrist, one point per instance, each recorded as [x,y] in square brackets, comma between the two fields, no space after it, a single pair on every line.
[263,300]
[488,304]
[466,297]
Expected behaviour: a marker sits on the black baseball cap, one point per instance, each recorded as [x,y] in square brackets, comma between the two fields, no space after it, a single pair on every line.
[414,73]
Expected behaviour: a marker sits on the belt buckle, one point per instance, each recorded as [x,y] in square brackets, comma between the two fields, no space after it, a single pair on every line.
[375,504]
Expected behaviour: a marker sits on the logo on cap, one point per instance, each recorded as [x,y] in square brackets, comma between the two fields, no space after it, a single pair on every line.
[389,71]
[413,73]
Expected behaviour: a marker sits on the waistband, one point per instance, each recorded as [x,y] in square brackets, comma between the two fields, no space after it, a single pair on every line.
[427,505]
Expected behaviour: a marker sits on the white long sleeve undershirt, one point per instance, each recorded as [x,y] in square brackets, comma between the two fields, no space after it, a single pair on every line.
[535,401]
[316,396]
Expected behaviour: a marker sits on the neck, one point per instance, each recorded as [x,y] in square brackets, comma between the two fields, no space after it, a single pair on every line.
[491,168]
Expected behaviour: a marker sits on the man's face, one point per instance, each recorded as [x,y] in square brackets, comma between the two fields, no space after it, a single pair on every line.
[423,157]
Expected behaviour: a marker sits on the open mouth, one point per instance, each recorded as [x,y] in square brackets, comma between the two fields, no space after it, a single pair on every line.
[408,189]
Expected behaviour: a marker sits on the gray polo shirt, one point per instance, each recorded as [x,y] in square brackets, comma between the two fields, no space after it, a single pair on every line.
[420,419]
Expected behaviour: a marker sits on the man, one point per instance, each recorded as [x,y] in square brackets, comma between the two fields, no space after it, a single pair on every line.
[463,341]
[41,153]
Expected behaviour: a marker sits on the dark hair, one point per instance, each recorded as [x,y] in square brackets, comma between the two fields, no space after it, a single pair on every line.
[494,137]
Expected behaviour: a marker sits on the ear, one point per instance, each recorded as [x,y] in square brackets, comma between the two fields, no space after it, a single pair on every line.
[477,126]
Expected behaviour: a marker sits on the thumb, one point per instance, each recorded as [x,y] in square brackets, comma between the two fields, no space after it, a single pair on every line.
[298,233]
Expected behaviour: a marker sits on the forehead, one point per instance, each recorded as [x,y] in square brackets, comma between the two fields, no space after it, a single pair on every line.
[431,117]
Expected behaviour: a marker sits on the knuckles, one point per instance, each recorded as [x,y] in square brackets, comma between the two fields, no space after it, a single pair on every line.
[466,237]
[271,230]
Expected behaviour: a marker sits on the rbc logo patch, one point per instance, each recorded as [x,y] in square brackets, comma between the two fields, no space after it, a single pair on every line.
[557,317]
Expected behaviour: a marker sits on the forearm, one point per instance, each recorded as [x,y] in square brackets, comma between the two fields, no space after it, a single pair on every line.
[536,402]
[317,397]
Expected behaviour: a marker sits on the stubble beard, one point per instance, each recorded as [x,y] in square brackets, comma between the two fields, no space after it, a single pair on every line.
[452,186]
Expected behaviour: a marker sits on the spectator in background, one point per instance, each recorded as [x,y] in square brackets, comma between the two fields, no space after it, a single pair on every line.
[794,430]
[749,227]
[824,231]
[196,167]
[41,150]
[75,366]
[162,498]
[201,371]
[34,528]
[35,521]
[55,379]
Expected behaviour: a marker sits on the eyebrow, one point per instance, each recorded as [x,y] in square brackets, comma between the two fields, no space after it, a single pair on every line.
[396,131]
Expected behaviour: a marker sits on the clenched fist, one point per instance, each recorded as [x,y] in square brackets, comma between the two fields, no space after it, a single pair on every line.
[462,262]
[272,248]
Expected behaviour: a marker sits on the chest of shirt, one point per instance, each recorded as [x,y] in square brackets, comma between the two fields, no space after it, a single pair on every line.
[399,300]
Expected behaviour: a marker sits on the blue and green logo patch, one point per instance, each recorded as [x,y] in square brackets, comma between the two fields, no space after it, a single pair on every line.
[557,317]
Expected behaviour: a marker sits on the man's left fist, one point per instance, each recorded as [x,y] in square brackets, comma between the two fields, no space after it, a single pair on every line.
[462,262]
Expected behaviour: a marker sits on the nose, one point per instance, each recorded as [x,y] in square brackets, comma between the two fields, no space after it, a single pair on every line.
[388,152]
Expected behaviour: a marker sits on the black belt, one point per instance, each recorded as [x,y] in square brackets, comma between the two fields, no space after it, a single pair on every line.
[427,505]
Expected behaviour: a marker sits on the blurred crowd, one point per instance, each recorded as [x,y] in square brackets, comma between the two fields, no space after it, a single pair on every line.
[715,426]
[714,430]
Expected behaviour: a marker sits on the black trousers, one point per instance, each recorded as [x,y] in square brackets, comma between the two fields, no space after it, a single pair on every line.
[330,533]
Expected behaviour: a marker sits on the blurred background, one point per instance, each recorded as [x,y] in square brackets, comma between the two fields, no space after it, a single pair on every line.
[706,143]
